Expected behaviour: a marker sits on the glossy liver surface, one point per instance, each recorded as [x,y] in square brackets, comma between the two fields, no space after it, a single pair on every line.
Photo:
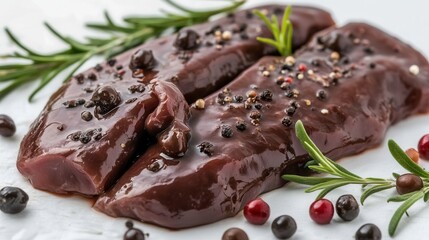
[348,86]
[88,133]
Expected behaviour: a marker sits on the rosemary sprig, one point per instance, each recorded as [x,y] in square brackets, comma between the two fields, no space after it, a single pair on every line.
[340,176]
[133,32]
[282,34]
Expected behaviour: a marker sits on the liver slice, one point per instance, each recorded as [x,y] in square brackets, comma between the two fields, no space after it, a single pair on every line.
[366,90]
[76,146]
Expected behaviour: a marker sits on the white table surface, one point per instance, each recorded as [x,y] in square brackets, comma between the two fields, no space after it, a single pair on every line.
[64,218]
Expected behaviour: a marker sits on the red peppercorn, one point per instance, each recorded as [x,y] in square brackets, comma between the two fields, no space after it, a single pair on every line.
[322,211]
[257,211]
[423,147]
[302,67]
[289,80]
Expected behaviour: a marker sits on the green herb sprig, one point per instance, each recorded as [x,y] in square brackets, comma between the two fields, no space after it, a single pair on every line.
[282,34]
[133,32]
[339,177]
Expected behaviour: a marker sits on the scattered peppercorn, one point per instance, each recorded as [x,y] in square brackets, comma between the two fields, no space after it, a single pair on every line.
[238,98]
[302,67]
[92,76]
[290,110]
[321,94]
[368,231]
[7,126]
[267,95]
[200,104]
[235,234]
[414,69]
[347,207]
[142,59]
[423,147]
[286,121]
[87,116]
[257,211]
[206,148]
[137,88]
[187,40]
[154,167]
[255,114]
[335,56]
[283,227]
[258,106]
[322,211]
[226,131]
[413,154]
[111,62]
[252,94]
[98,68]
[241,125]
[407,183]
[105,98]
[133,233]
[12,200]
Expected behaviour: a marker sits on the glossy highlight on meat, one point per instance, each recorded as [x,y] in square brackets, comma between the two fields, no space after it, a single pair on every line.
[367,86]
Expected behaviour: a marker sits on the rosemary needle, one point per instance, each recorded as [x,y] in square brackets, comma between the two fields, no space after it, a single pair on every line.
[339,177]
[282,34]
[133,32]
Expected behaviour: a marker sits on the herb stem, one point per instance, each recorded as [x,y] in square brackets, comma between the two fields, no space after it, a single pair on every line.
[343,177]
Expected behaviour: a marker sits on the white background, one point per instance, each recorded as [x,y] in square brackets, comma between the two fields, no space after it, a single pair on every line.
[51,217]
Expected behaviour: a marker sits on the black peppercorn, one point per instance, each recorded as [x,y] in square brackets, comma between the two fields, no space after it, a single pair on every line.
[7,126]
[240,125]
[105,98]
[368,231]
[290,111]
[283,227]
[187,40]
[226,131]
[142,59]
[12,200]
[111,62]
[238,98]
[92,76]
[133,233]
[255,114]
[347,207]
[321,94]
[80,78]
[206,148]
[154,167]
[267,95]
[287,121]
[315,62]
[98,68]
[87,116]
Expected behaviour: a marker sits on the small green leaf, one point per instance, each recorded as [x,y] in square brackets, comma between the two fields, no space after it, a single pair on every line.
[400,198]
[310,163]
[426,196]
[327,184]
[374,189]
[329,189]
[396,175]
[402,158]
[401,210]
[306,180]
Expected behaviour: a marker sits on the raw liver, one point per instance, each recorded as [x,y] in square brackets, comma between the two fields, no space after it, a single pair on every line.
[373,88]
[53,161]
